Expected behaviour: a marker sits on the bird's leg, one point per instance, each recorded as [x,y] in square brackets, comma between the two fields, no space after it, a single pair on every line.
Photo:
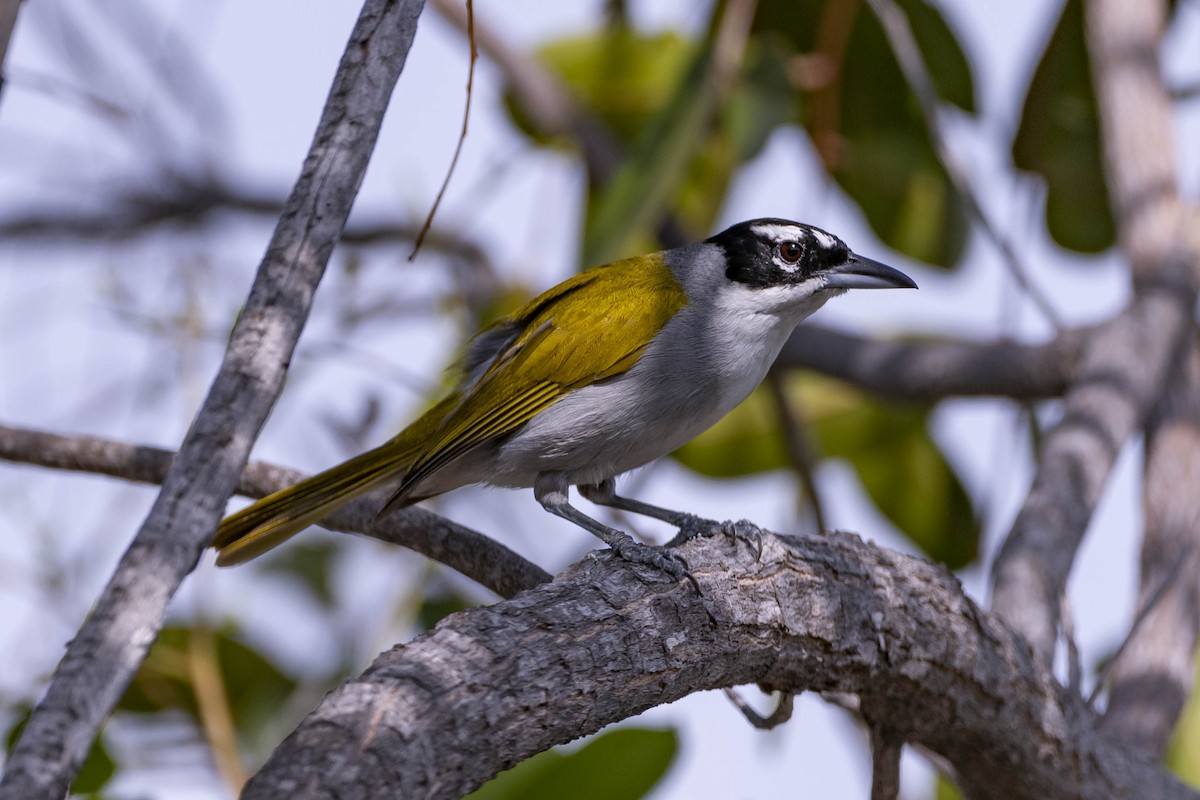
[605,494]
[550,489]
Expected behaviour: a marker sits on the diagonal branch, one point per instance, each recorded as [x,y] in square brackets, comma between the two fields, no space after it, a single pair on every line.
[479,557]
[1127,361]
[489,687]
[105,653]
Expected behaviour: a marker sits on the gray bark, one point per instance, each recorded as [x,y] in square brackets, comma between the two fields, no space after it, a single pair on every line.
[1153,674]
[480,558]
[1126,364]
[105,653]
[489,687]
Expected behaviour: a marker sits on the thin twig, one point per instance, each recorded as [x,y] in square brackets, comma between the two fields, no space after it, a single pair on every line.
[1066,623]
[1159,593]
[212,704]
[781,714]
[795,438]
[925,371]
[462,136]
[8,21]
[908,53]
[886,749]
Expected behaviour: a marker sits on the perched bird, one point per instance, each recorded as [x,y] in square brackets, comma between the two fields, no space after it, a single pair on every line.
[608,370]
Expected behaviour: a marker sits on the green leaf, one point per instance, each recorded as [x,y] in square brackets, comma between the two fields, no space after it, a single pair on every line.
[746,441]
[437,606]
[1183,755]
[944,789]
[906,196]
[255,688]
[866,124]
[98,768]
[947,63]
[622,764]
[1059,139]
[760,101]
[899,465]
[619,75]
[633,202]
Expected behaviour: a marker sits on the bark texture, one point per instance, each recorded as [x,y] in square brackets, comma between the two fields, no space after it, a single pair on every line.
[105,653]
[489,687]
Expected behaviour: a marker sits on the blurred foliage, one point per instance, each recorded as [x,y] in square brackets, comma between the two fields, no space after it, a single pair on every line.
[98,768]
[622,764]
[254,688]
[309,562]
[897,462]
[1183,756]
[686,126]
[437,605]
[944,789]
[865,123]
[1059,139]
[826,66]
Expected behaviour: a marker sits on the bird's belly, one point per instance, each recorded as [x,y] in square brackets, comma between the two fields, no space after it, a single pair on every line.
[603,430]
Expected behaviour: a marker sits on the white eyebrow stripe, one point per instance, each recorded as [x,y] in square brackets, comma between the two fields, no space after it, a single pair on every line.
[823,238]
[779,233]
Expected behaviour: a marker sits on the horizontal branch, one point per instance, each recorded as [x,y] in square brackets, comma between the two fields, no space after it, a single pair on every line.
[479,557]
[185,202]
[930,370]
[488,687]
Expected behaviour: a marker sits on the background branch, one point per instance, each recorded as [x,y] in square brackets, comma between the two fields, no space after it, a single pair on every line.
[927,371]
[1153,674]
[106,651]
[475,555]
[1126,362]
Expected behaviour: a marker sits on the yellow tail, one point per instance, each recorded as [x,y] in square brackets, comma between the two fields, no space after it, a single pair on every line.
[277,517]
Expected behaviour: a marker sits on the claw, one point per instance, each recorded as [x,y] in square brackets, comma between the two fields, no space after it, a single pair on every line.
[672,564]
[746,531]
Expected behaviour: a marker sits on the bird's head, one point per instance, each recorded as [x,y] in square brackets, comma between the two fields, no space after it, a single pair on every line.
[775,264]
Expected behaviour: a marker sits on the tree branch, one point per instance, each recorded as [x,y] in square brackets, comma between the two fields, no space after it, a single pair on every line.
[475,555]
[926,371]
[489,687]
[1153,673]
[105,653]
[1127,361]
[8,21]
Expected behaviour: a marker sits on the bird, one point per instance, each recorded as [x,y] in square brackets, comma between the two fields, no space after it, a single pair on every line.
[612,368]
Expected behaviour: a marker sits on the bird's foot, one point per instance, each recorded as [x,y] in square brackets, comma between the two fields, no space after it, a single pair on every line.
[745,531]
[690,526]
[638,553]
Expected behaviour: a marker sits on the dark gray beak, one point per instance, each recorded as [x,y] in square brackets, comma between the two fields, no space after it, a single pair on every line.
[863,273]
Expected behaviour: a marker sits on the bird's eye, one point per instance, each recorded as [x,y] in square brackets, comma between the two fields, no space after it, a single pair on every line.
[791,252]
